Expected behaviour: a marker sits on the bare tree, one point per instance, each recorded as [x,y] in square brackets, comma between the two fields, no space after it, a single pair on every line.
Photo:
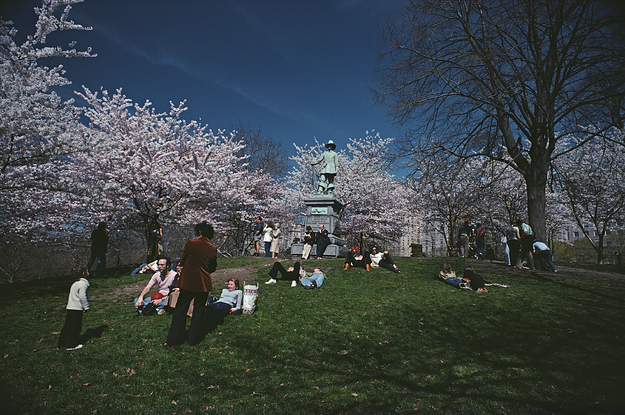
[262,152]
[504,78]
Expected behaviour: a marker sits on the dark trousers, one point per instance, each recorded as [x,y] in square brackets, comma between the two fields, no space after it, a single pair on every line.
[179,318]
[321,247]
[515,246]
[71,329]
[286,275]
[100,263]
[387,262]
[349,259]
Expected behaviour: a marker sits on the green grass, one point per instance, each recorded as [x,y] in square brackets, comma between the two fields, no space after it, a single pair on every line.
[366,343]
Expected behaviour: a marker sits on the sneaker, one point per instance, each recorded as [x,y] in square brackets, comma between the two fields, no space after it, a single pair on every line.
[481,290]
[271,281]
[308,287]
[75,348]
[293,283]
[161,312]
[314,285]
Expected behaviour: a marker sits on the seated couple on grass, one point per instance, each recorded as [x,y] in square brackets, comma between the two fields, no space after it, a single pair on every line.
[295,273]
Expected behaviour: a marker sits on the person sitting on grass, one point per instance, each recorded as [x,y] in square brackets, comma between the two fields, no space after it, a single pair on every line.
[475,280]
[164,278]
[354,259]
[228,303]
[293,274]
[315,280]
[448,276]
[382,259]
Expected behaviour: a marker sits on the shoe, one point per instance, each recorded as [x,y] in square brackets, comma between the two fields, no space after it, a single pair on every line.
[308,287]
[293,283]
[271,281]
[481,290]
[161,312]
[314,285]
[80,346]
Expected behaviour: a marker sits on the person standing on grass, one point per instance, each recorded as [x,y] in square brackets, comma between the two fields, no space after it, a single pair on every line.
[99,246]
[198,260]
[275,242]
[268,238]
[77,304]
[258,234]
[527,241]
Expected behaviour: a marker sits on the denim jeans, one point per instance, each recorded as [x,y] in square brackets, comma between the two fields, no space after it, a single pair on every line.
[147,301]
[544,256]
[317,278]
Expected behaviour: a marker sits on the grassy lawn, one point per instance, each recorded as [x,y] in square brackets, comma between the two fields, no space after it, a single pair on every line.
[366,342]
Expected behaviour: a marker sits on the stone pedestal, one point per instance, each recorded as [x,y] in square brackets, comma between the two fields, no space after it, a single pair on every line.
[323,210]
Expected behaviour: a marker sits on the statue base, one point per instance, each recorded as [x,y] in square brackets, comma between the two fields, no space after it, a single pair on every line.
[323,210]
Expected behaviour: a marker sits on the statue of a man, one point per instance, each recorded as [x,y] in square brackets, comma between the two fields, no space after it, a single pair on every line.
[329,165]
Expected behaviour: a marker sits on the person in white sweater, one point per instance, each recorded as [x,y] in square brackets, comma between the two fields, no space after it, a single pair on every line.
[77,304]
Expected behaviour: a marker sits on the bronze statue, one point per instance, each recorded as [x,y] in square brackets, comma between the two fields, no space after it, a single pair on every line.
[329,167]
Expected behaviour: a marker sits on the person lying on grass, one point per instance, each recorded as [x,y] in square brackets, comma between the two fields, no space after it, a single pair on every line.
[228,303]
[293,274]
[382,259]
[315,280]
[475,280]
[448,276]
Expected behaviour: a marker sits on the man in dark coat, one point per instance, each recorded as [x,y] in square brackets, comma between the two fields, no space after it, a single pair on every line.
[99,245]
[199,259]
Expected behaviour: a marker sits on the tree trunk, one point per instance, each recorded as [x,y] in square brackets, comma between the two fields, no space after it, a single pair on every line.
[536,183]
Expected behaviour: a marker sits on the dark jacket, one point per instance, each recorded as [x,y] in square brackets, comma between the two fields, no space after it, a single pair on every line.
[199,259]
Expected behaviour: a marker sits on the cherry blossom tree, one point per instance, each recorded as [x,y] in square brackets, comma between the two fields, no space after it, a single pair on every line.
[376,204]
[147,167]
[591,177]
[38,130]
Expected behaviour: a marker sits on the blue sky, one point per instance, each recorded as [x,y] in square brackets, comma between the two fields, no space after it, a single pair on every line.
[297,69]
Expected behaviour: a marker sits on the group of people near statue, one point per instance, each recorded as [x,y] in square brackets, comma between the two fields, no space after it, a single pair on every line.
[321,238]
[269,233]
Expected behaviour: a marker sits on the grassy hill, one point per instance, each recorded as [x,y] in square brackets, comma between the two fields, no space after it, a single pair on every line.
[365,343]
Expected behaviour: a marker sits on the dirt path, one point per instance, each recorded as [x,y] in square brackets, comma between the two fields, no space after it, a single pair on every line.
[219,277]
